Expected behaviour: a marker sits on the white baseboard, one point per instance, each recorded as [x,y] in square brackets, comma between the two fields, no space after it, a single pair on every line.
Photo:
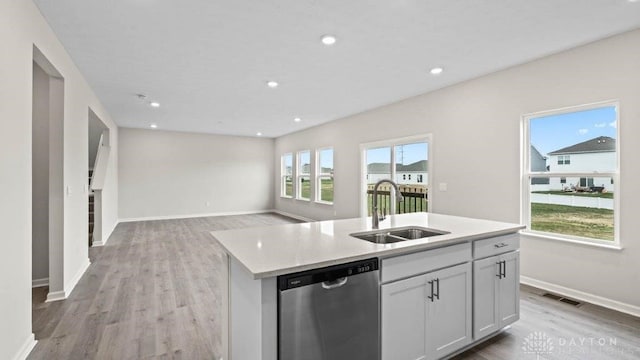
[581,295]
[189,216]
[36,283]
[98,243]
[26,348]
[105,237]
[68,287]
[293,216]
[56,296]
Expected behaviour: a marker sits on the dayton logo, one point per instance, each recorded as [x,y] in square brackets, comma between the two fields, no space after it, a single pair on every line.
[537,343]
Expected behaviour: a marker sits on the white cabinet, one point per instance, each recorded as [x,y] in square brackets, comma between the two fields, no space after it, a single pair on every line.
[403,319]
[496,300]
[448,310]
[427,316]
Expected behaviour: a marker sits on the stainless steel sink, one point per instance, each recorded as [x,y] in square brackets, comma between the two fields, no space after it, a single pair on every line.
[416,233]
[387,236]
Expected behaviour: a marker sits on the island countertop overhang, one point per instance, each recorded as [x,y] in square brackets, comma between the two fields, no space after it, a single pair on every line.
[283,249]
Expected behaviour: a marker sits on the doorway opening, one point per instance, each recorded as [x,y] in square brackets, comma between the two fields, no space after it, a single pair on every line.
[406,162]
[47,180]
[98,161]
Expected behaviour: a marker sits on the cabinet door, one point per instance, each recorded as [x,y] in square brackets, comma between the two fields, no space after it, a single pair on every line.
[509,289]
[448,318]
[403,319]
[485,296]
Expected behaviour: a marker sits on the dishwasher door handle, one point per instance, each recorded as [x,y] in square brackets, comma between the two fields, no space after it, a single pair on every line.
[334,284]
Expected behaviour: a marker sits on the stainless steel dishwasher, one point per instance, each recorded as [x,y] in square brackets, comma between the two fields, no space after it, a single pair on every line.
[330,313]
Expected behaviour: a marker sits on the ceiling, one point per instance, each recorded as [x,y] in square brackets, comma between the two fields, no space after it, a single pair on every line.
[207,62]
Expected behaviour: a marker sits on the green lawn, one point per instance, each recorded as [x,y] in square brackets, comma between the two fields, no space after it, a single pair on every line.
[326,190]
[572,220]
[607,195]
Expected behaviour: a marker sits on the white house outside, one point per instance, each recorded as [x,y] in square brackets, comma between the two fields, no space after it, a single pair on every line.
[594,155]
[415,173]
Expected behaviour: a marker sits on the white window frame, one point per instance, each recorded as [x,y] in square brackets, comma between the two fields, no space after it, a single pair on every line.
[283,176]
[527,174]
[320,175]
[300,175]
[392,143]
[564,160]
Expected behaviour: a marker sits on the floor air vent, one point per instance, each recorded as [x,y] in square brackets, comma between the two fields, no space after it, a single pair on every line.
[562,299]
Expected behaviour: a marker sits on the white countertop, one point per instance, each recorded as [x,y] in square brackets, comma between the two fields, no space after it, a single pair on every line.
[282,249]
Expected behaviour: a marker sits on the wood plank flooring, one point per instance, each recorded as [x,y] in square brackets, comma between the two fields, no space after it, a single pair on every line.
[153,292]
[552,330]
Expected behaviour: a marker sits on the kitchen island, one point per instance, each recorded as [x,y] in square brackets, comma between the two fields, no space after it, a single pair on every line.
[257,256]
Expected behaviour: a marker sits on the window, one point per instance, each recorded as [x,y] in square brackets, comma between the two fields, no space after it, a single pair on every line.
[304,175]
[576,201]
[410,155]
[286,174]
[564,160]
[324,175]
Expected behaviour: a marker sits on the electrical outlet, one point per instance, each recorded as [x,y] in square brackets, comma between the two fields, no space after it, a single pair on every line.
[443,186]
[207,204]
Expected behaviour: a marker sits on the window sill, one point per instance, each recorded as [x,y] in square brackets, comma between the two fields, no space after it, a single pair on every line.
[597,244]
[305,200]
[286,197]
[324,202]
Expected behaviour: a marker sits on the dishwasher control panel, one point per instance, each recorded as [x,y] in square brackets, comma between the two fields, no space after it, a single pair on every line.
[331,273]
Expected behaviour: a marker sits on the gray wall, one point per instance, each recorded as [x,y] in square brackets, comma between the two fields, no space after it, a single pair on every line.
[169,174]
[476,135]
[40,174]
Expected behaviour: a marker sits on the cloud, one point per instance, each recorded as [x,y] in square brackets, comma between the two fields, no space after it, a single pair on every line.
[613,124]
[600,125]
[583,131]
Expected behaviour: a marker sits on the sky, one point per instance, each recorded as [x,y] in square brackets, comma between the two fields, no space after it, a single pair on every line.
[405,154]
[551,133]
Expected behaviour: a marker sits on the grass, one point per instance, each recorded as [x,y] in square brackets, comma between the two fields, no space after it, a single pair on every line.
[607,195]
[573,220]
[326,190]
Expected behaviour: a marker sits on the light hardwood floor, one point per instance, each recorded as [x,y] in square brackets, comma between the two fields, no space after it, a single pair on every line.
[154,292]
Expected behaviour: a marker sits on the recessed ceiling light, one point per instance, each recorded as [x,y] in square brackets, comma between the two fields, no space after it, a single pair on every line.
[259,134]
[153,126]
[272,84]
[297,119]
[328,39]
[155,104]
[436,71]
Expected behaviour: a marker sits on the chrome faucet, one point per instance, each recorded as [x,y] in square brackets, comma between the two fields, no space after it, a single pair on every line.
[375,220]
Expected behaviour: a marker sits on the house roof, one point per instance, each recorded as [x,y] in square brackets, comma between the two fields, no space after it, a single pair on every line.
[599,144]
[383,168]
[535,153]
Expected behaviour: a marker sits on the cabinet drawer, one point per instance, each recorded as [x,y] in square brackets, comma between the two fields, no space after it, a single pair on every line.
[421,262]
[495,245]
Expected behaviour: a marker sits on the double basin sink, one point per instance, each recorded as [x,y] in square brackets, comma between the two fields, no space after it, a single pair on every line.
[393,235]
